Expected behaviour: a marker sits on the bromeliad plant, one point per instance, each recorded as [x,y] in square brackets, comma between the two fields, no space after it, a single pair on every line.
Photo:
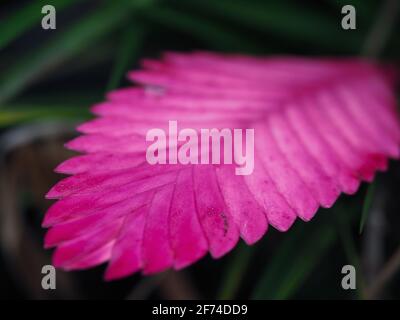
[321,127]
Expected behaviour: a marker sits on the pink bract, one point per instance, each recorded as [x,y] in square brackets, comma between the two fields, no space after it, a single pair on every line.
[322,126]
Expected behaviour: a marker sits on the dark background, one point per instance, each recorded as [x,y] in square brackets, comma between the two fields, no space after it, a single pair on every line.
[50,78]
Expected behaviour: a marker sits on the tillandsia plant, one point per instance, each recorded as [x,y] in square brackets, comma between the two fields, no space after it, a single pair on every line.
[146,197]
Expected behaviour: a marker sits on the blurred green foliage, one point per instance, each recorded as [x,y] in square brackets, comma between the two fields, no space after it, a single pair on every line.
[111,37]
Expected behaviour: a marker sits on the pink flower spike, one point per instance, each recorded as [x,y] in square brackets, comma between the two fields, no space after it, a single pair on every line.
[320,126]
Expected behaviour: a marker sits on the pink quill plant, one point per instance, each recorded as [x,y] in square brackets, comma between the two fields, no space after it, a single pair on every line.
[321,127]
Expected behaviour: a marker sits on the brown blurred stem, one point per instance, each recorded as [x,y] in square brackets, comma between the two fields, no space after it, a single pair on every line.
[171,285]
[386,274]
[381,29]
[375,227]
[373,256]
